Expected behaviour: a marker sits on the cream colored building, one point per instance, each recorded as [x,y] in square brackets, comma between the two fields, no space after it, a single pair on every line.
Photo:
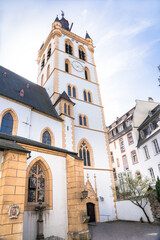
[43,126]
[127,152]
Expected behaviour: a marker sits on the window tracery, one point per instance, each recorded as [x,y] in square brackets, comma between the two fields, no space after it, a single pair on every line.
[85,154]
[36,184]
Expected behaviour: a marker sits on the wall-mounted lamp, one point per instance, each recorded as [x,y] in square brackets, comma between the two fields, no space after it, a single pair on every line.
[84,194]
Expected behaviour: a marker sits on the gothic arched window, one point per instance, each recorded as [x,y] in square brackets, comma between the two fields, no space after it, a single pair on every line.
[36,184]
[89,97]
[68,110]
[80,120]
[67,66]
[49,52]
[86,73]
[84,121]
[82,54]
[46,138]
[84,95]
[74,92]
[65,108]
[68,47]
[69,90]
[43,62]
[85,154]
[7,124]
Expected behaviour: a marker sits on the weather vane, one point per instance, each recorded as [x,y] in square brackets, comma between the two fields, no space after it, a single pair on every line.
[62,14]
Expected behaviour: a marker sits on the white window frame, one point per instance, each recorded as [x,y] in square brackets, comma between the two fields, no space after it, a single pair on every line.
[129,138]
[156,146]
[134,156]
[146,152]
[151,172]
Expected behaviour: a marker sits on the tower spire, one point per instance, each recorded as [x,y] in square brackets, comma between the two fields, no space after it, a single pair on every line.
[87,35]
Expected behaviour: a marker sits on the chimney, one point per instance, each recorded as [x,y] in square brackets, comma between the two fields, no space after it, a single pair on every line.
[150,99]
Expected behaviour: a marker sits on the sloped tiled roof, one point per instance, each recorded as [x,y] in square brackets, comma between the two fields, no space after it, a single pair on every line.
[64,96]
[13,86]
[153,111]
[87,35]
[13,143]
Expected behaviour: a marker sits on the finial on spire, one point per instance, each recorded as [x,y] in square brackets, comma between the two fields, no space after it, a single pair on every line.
[62,14]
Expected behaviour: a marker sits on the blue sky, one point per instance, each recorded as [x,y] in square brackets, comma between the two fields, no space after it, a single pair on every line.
[126,35]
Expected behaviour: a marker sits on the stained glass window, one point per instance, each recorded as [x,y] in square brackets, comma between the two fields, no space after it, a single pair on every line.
[7,124]
[46,138]
[85,154]
[36,184]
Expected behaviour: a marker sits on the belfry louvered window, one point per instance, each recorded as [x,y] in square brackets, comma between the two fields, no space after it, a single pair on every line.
[68,48]
[36,184]
[82,54]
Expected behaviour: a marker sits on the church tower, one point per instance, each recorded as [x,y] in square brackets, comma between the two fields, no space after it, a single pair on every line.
[67,70]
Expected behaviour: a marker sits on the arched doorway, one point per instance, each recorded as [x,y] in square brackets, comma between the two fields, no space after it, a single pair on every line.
[91,211]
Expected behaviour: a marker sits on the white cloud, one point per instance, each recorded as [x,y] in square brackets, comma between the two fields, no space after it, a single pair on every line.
[84,12]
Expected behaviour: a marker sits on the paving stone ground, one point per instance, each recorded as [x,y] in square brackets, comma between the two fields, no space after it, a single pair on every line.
[122,230]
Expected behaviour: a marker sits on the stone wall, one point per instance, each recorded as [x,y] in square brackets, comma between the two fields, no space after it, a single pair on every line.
[12,193]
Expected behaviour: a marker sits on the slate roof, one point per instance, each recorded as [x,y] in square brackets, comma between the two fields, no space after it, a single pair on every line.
[7,144]
[148,118]
[65,23]
[35,96]
[87,35]
[57,19]
[17,139]
[64,96]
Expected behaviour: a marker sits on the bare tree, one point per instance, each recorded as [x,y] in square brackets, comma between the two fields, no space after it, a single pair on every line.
[135,190]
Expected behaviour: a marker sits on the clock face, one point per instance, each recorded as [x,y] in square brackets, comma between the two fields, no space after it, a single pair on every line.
[77,66]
